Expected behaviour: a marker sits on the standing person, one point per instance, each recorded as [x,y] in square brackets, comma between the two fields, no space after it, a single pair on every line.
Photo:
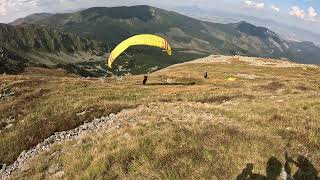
[145,80]
[206,75]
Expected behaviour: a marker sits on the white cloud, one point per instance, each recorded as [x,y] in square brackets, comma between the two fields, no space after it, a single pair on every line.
[297,12]
[310,15]
[9,6]
[254,4]
[312,12]
[274,8]
[13,9]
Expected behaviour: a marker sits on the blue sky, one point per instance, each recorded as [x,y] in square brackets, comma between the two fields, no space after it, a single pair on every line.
[302,13]
[302,3]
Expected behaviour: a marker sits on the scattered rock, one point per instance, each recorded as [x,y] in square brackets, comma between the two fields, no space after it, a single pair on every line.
[280,101]
[112,115]
[119,78]
[234,103]
[10,119]
[25,168]
[87,127]
[5,93]
[102,80]
[82,113]
[169,80]
[54,168]
[8,126]
[59,174]
[3,167]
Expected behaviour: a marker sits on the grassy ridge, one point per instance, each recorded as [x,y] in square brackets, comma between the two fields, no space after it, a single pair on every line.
[210,129]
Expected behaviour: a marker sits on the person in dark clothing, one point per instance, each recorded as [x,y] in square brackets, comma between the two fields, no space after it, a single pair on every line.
[145,80]
[206,75]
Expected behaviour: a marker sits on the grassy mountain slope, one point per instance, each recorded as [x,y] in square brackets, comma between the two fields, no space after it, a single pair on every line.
[179,126]
[118,23]
[32,18]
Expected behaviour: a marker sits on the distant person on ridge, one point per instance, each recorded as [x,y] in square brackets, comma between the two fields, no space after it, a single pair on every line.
[145,80]
[206,75]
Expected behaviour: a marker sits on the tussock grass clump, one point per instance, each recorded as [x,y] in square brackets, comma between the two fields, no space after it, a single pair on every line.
[216,99]
[273,86]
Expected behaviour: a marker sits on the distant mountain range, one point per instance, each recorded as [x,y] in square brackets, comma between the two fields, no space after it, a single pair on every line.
[215,15]
[89,31]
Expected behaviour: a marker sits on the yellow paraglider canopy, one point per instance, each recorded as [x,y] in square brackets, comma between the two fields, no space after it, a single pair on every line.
[231,79]
[143,39]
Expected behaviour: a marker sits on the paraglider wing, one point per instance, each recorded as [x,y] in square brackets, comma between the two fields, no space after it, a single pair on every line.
[143,39]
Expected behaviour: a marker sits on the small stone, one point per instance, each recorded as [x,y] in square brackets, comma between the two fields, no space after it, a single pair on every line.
[59,174]
[81,113]
[3,167]
[8,126]
[91,126]
[54,168]
[112,115]
[25,168]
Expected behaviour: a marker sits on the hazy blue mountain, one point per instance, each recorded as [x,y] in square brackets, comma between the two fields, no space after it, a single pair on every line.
[215,15]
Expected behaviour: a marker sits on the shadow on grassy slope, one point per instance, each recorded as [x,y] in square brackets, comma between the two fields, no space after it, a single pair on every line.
[171,84]
[275,169]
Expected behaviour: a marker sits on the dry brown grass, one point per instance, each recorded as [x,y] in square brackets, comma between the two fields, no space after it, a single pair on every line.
[33,71]
[209,130]
[44,106]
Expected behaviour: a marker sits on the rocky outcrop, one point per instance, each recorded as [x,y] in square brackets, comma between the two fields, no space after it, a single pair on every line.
[93,126]
[6,92]
[10,62]
[36,45]
[29,37]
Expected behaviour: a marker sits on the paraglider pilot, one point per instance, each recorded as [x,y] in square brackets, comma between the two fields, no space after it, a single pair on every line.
[206,75]
[145,80]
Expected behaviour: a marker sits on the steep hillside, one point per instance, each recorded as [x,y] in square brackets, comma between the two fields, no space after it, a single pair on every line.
[307,51]
[115,24]
[39,45]
[178,126]
[48,46]
[10,62]
[32,18]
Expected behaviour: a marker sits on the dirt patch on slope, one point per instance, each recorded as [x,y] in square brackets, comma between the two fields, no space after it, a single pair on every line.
[273,86]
